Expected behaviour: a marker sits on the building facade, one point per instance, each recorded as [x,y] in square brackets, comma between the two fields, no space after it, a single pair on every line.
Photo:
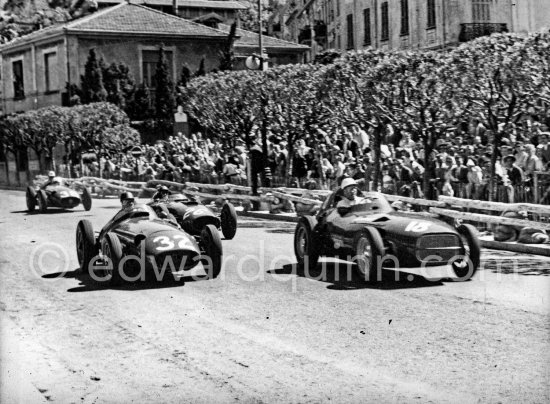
[408,24]
[37,68]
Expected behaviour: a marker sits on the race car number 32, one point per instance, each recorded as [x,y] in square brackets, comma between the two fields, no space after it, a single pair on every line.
[167,243]
[417,227]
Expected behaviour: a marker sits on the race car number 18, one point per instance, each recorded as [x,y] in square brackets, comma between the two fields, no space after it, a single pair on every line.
[417,227]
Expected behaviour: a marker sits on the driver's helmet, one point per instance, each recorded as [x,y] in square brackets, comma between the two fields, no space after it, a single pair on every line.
[126,199]
[51,175]
[346,182]
[162,192]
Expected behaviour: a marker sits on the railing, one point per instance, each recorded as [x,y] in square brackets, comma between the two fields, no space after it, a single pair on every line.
[475,30]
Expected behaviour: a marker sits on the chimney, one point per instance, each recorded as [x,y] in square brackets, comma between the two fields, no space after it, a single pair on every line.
[175,7]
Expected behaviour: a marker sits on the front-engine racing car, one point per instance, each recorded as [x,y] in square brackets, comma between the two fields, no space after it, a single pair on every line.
[137,242]
[57,194]
[374,236]
[192,216]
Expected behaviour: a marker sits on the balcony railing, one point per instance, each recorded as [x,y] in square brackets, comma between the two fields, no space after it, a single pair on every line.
[320,29]
[475,30]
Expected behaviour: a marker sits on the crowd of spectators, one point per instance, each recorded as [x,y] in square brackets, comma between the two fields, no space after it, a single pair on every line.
[461,160]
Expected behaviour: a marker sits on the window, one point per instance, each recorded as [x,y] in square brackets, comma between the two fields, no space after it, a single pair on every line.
[431,14]
[50,71]
[481,10]
[385,35]
[350,31]
[18,85]
[366,27]
[337,7]
[149,64]
[404,17]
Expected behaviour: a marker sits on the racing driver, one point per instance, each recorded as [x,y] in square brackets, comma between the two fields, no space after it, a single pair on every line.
[349,186]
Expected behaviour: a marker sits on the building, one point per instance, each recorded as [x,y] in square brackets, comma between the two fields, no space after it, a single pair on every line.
[408,24]
[36,68]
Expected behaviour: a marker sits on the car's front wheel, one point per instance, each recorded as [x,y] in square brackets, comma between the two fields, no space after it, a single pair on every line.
[42,199]
[85,244]
[212,244]
[369,249]
[86,199]
[306,245]
[112,251]
[228,221]
[465,267]
[31,199]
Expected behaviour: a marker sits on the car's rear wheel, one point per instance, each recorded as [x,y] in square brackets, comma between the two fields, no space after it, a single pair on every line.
[31,199]
[85,245]
[86,199]
[212,244]
[306,246]
[369,248]
[112,251]
[42,199]
[228,221]
[466,267]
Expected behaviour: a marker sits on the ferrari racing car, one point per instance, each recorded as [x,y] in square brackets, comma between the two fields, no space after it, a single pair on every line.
[374,236]
[57,194]
[137,240]
[193,216]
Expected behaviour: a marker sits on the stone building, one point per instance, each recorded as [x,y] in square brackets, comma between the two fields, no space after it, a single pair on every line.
[407,24]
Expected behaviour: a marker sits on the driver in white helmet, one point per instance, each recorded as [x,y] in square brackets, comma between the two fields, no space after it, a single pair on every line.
[50,181]
[350,198]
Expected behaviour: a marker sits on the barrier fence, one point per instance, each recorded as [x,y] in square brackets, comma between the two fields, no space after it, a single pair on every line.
[484,215]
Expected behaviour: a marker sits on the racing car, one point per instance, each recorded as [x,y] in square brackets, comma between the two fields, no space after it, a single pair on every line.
[374,236]
[138,240]
[193,216]
[57,194]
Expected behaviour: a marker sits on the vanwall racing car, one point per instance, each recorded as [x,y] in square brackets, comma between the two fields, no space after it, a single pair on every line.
[372,232]
[57,194]
[193,216]
[149,242]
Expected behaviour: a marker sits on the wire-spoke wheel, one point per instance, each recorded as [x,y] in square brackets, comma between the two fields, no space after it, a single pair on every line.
[465,267]
[369,248]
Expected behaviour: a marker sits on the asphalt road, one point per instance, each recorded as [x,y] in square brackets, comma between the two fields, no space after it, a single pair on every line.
[263,331]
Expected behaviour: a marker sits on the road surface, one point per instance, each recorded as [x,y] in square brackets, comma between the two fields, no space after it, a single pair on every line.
[263,332]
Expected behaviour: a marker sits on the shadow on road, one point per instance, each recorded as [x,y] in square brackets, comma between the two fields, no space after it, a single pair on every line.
[87,284]
[342,276]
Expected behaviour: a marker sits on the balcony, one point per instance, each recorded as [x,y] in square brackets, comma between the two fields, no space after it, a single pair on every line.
[320,29]
[472,31]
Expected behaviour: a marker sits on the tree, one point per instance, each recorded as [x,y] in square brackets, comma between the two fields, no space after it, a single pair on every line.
[227,58]
[201,70]
[92,81]
[118,84]
[139,107]
[165,102]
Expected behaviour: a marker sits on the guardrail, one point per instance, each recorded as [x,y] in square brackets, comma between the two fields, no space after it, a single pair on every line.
[483,214]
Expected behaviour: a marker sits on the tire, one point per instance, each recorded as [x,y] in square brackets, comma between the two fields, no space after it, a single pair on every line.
[306,244]
[369,249]
[228,221]
[465,269]
[86,248]
[31,199]
[42,199]
[212,243]
[86,199]
[112,249]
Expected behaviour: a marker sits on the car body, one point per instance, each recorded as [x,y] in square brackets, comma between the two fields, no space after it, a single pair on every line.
[149,243]
[374,235]
[192,216]
[57,194]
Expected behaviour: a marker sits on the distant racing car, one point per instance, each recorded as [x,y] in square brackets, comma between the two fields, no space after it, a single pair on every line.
[193,216]
[370,233]
[149,242]
[57,194]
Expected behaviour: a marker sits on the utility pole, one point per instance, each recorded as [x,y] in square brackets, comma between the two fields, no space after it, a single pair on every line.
[260,29]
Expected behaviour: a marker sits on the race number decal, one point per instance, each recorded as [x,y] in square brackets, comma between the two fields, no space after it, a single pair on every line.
[417,227]
[196,212]
[167,243]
